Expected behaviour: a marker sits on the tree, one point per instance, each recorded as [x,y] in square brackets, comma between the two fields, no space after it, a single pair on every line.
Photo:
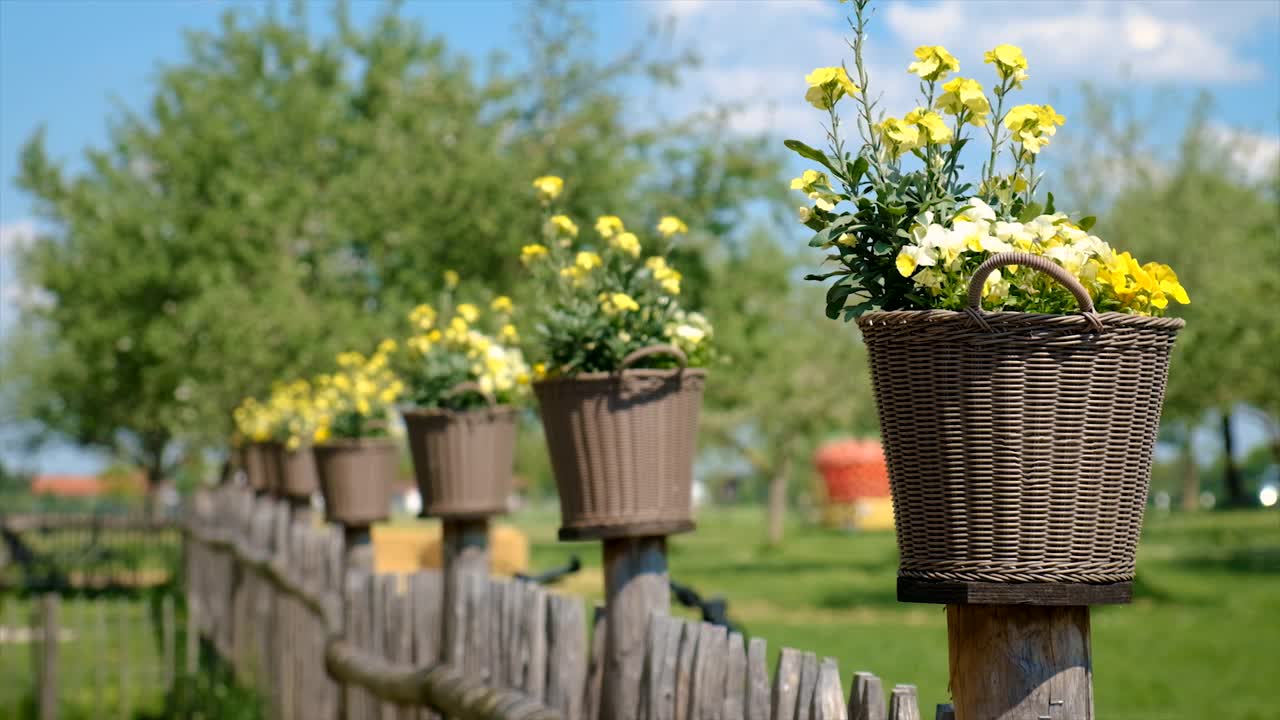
[1220,229]
[788,375]
[285,195]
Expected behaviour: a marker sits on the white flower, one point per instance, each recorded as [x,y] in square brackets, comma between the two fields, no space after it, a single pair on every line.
[976,209]
[913,256]
[805,214]
[690,334]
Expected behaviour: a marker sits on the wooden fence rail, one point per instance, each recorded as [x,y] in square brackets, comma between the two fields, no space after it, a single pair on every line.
[327,642]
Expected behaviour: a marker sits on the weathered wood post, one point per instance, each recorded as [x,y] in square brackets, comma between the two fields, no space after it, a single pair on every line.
[636,586]
[464,552]
[359,543]
[1020,661]
[48,668]
[1018,651]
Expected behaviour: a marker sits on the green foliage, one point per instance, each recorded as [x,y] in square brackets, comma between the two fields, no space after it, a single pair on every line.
[284,196]
[599,302]
[784,382]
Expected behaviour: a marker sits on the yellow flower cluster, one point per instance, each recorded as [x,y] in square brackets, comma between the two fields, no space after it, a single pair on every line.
[613,294]
[1010,63]
[918,128]
[933,62]
[253,420]
[493,360]
[362,390]
[963,97]
[940,257]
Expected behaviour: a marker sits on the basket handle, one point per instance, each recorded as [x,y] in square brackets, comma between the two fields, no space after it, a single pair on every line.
[662,349]
[1035,262]
[472,387]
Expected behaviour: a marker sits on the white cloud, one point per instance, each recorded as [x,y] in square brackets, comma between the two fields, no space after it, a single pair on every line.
[1256,155]
[16,235]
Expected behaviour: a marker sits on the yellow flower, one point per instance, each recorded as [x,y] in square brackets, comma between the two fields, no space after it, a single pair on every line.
[627,243]
[807,181]
[321,434]
[609,225]
[1009,61]
[671,283]
[965,94]
[423,316]
[671,225]
[469,312]
[509,334]
[458,329]
[587,260]
[529,253]
[911,257]
[1031,126]
[899,135]
[548,187]
[562,225]
[933,129]
[1168,281]
[501,304]
[667,276]
[827,85]
[933,62]
[451,279]
[387,346]
[614,303]
[350,359]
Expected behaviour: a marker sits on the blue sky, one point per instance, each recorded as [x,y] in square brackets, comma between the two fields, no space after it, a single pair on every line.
[67,65]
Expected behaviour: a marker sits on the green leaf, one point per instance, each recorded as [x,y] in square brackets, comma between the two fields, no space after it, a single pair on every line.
[858,170]
[1048,206]
[825,276]
[813,154]
[1086,223]
[822,238]
[1030,212]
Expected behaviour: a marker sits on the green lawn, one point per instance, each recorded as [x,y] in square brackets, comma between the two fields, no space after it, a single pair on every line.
[1199,640]
[110,663]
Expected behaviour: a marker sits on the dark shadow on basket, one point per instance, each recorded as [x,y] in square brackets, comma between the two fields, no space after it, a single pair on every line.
[635,391]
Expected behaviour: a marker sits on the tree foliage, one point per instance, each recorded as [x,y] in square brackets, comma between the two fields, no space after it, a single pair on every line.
[285,195]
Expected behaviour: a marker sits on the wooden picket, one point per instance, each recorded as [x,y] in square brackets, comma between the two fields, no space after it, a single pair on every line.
[270,592]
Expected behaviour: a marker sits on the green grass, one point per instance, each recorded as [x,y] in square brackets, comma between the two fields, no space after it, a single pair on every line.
[1199,640]
[92,658]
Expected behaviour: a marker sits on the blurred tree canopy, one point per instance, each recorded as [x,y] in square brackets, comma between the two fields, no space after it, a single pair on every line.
[286,195]
[788,376]
[1216,220]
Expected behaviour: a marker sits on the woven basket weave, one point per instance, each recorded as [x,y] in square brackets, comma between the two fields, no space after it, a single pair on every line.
[1019,444]
[622,444]
[463,460]
[295,471]
[355,479]
[257,466]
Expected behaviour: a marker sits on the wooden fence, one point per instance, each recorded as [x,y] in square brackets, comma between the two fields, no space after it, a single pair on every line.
[324,641]
[75,552]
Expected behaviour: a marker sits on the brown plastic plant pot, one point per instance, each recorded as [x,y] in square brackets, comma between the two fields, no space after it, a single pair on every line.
[295,471]
[1019,444]
[463,460]
[256,462]
[355,479]
[622,447]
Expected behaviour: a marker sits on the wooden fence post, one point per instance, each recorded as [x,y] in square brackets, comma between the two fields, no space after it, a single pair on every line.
[359,544]
[636,586]
[1020,662]
[464,550]
[49,657]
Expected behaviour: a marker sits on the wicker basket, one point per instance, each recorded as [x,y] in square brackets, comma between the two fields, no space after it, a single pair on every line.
[622,447]
[463,460]
[1019,444]
[255,459]
[356,478]
[294,470]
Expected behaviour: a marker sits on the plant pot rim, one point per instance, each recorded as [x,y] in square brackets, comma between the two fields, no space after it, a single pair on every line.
[417,411]
[355,443]
[1110,318]
[629,372]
